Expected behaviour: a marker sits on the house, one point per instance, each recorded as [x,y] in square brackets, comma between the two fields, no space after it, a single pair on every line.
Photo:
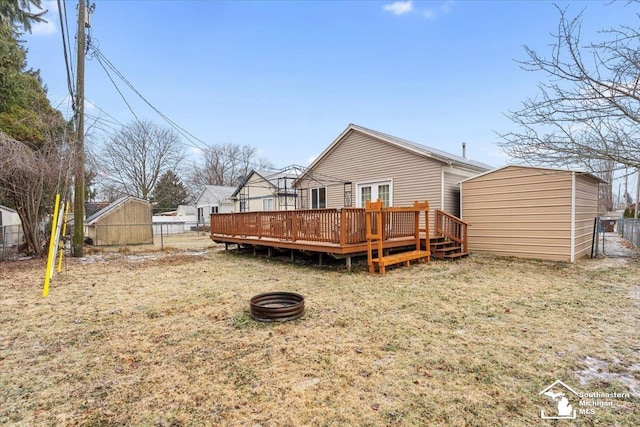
[213,199]
[9,216]
[363,164]
[179,221]
[10,229]
[127,221]
[266,191]
[531,212]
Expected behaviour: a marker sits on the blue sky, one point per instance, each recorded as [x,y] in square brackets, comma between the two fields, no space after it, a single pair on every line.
[288,77]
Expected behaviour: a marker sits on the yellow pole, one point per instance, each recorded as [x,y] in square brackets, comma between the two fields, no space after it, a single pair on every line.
[52,244]
[64,231]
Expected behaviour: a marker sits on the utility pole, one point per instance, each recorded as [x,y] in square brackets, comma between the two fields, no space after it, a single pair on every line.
[78,190]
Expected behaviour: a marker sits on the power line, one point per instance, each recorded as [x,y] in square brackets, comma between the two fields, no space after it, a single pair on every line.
[192,139]
[67,51]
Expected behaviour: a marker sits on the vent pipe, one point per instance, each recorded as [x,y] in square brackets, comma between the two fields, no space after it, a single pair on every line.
[464,150]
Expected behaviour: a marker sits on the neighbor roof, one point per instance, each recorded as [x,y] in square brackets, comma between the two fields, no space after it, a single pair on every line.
[220,192]
[271,177]
[419,149]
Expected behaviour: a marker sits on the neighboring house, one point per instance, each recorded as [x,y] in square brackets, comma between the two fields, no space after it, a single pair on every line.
[9,216]
[182,219]
[10,228]
[127,221]
[362,164]
[186,211]
[531,212]
[266,191]
[213,199]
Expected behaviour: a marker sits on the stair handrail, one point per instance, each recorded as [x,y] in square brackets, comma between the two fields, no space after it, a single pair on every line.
[452,227]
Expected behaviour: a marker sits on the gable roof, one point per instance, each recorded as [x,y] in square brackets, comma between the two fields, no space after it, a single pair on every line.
[219,192]
[4,208]
[419,149]
[540,168]
[271,177]
[113,206]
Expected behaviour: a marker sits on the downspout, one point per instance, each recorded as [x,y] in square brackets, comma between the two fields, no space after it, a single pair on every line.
[442,188]
[573,217]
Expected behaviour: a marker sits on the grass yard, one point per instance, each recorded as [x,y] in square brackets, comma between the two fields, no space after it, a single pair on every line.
[165,338]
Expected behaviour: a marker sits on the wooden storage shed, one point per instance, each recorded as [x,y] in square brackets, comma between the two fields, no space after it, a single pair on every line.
[531,212]
[127,221]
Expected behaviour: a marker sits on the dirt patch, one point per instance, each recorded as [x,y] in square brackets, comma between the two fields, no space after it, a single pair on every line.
[166,338]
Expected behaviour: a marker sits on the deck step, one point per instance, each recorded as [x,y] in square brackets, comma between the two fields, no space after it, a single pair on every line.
[456,255]
[402,257]
[444,248]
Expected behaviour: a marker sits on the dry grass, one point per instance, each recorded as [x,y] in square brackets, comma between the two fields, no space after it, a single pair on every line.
[165,338]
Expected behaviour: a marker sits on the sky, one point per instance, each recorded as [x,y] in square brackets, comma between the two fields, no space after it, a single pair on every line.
[288,77]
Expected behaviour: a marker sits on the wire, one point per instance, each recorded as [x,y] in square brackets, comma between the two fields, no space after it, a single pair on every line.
[66,50]
[192,139]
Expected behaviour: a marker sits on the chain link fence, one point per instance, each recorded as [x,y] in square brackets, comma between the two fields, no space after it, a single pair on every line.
[629,229]
[615,237]
[11,238]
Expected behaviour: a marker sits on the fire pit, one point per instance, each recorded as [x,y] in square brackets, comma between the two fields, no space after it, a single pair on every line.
[277,306]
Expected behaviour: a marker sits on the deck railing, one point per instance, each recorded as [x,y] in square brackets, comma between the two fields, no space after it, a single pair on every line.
[447,225]
[340,226]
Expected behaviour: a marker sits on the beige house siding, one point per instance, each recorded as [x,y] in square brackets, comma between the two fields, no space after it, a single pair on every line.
[527,212]
[451,190]
[361,159]
[256,189]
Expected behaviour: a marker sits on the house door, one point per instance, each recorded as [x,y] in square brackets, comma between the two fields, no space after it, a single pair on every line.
[375,191]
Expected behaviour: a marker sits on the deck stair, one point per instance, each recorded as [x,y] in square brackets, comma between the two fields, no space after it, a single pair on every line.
[381,223]
[445,248]
[450,237]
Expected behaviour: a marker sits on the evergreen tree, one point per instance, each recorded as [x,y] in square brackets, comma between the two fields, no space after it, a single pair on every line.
[17,13]
[169,193]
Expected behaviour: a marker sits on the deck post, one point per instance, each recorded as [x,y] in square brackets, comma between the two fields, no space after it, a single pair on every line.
[343,227]
[347,262]
[320,259]
[293,256]
[269,252]
[294,226]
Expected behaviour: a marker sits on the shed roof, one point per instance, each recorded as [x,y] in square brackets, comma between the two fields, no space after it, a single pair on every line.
[541,168]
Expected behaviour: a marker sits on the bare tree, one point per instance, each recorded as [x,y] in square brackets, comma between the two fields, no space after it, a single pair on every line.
[227,164]
[605,170]
[133,159]
[589,105]
[29,179]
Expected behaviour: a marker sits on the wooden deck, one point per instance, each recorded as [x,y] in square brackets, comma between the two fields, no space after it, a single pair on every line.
[346,232]
[332,231]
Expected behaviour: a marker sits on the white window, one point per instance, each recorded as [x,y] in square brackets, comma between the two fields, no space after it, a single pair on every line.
[318,198]
[268,204]
[214,209]
[374,191]
[200,215]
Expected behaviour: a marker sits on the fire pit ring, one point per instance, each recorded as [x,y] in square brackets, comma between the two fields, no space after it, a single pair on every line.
[277,306]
